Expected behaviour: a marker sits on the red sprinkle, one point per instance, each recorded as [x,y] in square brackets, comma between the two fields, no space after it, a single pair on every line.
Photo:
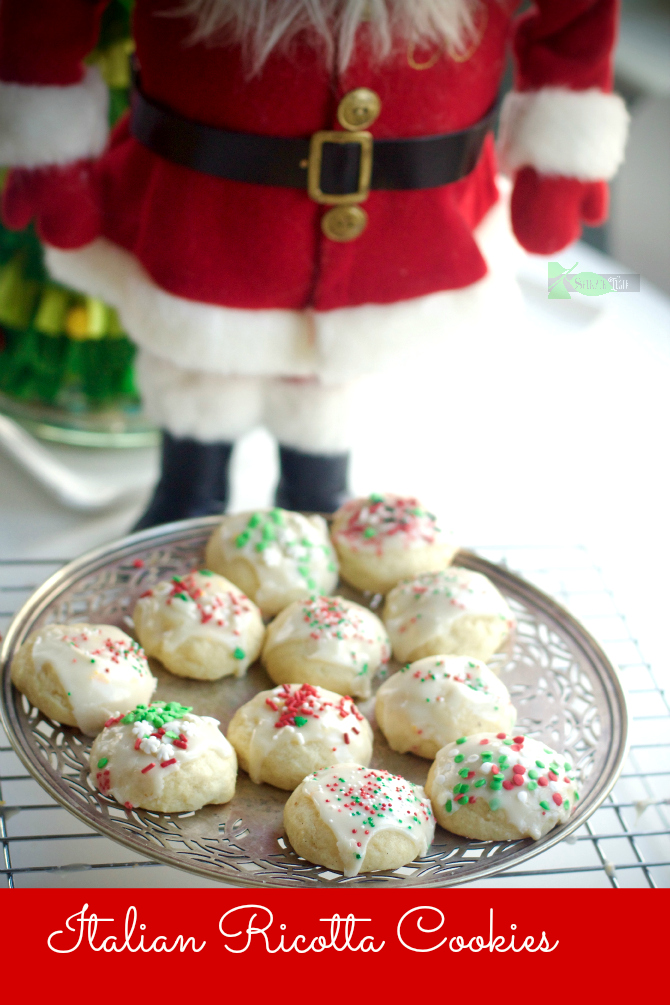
[515,746]
[494,769]
[137,743]
[128,805]
[148,767]
[346,738]
[138,563]
[472,799]
[500,736]
[113,721]
[147,593]
[518,769]
[519,739]
[508,785]
[543,780]
[165,764]
[483,741]
[518,779]
[552,776]
[558,799]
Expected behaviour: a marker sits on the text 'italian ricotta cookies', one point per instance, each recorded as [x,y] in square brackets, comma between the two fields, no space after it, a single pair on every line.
[439,699]
[385,538]
[327,641]
[199,626]
[82,674]
[284,734]
[457,612]
[274,556]
[355,819]
[494,787]
[164,758]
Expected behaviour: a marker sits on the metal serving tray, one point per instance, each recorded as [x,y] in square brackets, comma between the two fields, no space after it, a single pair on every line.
[566,691]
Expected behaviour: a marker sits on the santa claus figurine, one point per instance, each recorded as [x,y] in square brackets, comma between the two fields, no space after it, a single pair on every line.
[303,191]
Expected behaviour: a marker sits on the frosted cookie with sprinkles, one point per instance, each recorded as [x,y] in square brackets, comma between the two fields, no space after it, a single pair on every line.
[80,675]
[164,758]
[495,787]
[274,556]
[382,539]
[437,700]
[200,626]
[284,734]
[327,641]
[355,819]
[455,612]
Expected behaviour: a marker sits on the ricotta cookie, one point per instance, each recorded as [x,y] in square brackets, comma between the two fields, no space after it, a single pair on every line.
[164,758]
[355,819]
[385,538]
[328,641]
[275,556]
[494,787]
[81,674]
[199,626]
[439,699]
[282,735]
[457,612]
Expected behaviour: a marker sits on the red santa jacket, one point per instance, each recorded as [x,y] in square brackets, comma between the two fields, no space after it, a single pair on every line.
[245,245]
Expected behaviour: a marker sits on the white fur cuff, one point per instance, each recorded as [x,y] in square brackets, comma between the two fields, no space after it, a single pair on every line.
[40,126]
[579,134]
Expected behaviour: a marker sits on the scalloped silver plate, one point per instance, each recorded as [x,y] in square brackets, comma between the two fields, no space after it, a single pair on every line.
[565,689]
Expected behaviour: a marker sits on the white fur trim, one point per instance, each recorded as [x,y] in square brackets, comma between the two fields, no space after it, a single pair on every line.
[309,416]
[335,346]
[209,407]
[40,126]
[580,134]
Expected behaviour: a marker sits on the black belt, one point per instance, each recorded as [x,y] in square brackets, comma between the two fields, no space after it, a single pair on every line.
[329,164]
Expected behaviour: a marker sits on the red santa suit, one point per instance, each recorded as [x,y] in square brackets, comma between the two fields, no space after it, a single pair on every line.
[230,286]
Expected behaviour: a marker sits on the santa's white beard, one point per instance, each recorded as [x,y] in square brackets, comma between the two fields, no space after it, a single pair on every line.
[261,26]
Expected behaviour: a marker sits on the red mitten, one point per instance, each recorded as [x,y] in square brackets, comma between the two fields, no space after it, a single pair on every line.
[63,201]
[548,210]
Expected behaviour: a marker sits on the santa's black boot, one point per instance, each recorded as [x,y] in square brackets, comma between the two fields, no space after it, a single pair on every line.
[193,481]
[316,482]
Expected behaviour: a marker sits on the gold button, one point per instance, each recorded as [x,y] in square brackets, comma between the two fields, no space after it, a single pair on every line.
[358,109]
[344,223]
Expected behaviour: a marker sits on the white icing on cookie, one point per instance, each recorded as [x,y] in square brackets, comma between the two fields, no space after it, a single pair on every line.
[290,553]
[338,631]
[199,604]
[135,753]
[357,802]
[301,713]
[101,669]
[382,523]
[438,699]
[429,605]
[533,785]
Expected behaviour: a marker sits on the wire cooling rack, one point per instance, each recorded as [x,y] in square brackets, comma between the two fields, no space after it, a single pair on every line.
[626,843]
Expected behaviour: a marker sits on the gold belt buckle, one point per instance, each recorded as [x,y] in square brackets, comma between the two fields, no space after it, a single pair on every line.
[314,167]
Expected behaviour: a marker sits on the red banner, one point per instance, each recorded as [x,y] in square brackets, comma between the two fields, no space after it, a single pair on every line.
[547,944]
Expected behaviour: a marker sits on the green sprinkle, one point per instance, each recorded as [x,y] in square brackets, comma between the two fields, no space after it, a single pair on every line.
[357,855]
[103,761]
[261,546]
[566,803]
[533,773]
[276,516]
[239,654]
[173,736]
[206,572]
[459,758]
[567,766]
[495,804]
[268,532]
[576,795]
[447,806]
[369,532]
[241,539]
[254,520]
[539,764]
[508,743]
[480,782]
[532,786]
[463,772]
[487,755]
[544,804]
[300,720]
[462,799]
[464,787]
[374,498]
[462,739]
[92,661]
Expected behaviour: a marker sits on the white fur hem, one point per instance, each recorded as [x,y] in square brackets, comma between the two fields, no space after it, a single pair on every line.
[579,134]
[40,126]
[335,346]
